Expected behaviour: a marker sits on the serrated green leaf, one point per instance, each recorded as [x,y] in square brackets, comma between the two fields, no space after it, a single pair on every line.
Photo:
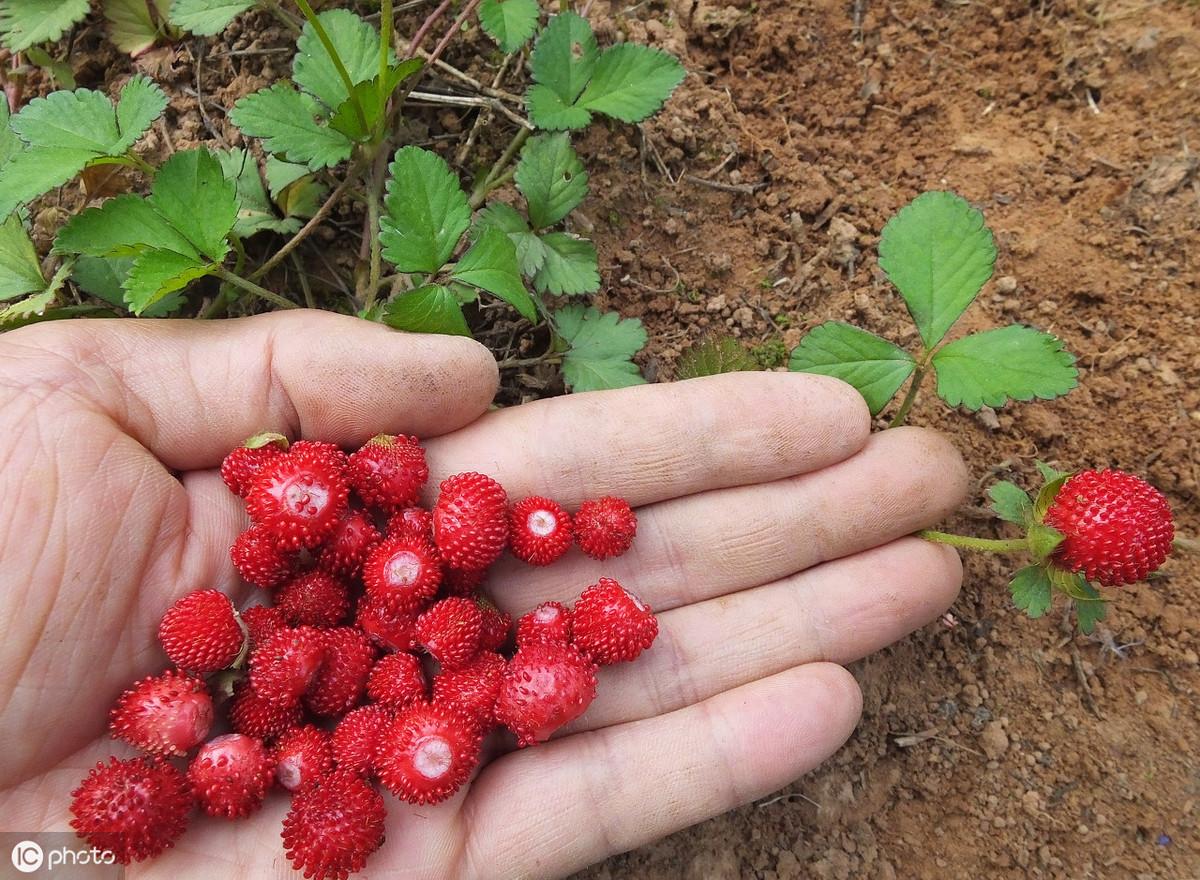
[206,18]
[281,175]
[31,173]
[429,309]
[193,178]
[287,122]
[1044,540]
[1047,495]
[1012,363]
[631,82]
[10,144]
[29,22]
[565,56]
[254,213]
[86,120]
[140,103]
[27,310]
[463,293]
[1072,583]
[491,265]
[711,357]
[1050,474]
[372,100]
[426,211]
[570,266]
[122,226]
[939,254]
[356,43]
[104,277]
[1011,503]
[509,22]
[874,366]
[60,71]
[130,24]
[157,273]
[547,110]
[531,253]
[600,348]
[551,177]
[20,270]
[1031,590]
[1090,610]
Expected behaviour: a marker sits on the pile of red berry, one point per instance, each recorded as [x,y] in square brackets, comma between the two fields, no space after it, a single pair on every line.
[379,659]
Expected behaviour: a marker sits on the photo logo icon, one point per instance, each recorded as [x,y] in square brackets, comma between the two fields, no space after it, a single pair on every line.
[27,857]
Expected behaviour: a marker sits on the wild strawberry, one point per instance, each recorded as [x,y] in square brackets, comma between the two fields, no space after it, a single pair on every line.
[302,756]
[252,715]
[415,522]
[1118,527]
[474,689]
[545,687]
[262,621]
[450,631]
[329,453]
[167,714]
[610,624]
[496,624]
[134,809]
[428,753]
[402,573]
[396,681]
[299,498]
[283,666]
[342,678]
[605,527]
[389,630]
[356,736]
[230,775]
[548,624]
[241,466]
[539,530]
[259,560]
[200,632]
[333,826]
[313,599]
[389,471]
[470,521]
[347,547]
[460,582]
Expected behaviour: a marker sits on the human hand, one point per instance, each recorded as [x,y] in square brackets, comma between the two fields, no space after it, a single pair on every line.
[771,544]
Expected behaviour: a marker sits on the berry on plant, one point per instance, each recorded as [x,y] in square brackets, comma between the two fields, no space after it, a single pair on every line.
[134,809]
[298,497]
[242,465]
[230,775]
[539,530]
[259,560]
[389,471]
[545,687]
[167,714]
[333,826]
[427,753]
[605,527]
[470,521]
[549,623]
[200,632]
[313,599]
[610,624]
[397,680]
[451,631]
[402,573]
[302,756]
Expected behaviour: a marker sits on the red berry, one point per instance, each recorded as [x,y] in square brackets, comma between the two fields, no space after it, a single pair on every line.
[396,681]
[605,527]
[302,756]
[200,632]
[402,573]
[242,465]
[450,631]
[549,624]
[460,582]
[356,736]
[470,521]
[262,621]
[474,688]
[167,714]
[389,471]
[428,753]
[342,678]
[134,809]
[496,624]
[313,599]
[539,530]
[1118,527]
[545,687]
[610,624]
[230,775]
[346,549]
[259,560]
[415,522]
[283,666]
[393,631]
[329,453]
[298,498]
[252,715]
[333,826]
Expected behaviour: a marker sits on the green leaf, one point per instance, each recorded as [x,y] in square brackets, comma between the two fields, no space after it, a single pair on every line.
[122,226]
[20,271]
[570,266]
[429,309]
[206,18]
[86,120]
[509,22]
[531,253]
[28,310]
[491,265]
[131,26]
[1044,540]
[104,277]
[426,211]
[874,366]
[193,179]
[547,110]
[356,43]
[255,213]
[600,348]
[1012,363]
[372,99]
[551,177]
[156,273]
[287,123]
[1011,503]
[24,23]
[281,175]
[1090,610]
[1050,474]
[141,102]
[1031,590]
[31,173]
[938,253]
[711,357]
[631,82]
[60,71]
[10,144]
[565,56]
[1047,495]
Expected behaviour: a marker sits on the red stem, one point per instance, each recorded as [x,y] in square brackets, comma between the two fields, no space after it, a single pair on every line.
[426,27]
[452,30]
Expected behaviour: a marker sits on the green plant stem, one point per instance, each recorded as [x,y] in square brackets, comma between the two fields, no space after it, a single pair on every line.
[1187,545]
[250,287]
[386,25]
[987,545]
[323,36]
[282,15]
[219,304]
[141,164]
[374,198]
[496,173]
[914,388]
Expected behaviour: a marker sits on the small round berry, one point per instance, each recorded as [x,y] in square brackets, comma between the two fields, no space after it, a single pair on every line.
[545,687]
[470,521]
[302,756]
[356,736]
[133,809]
[451,631]
[539,530]
[242,465]
[167,714]
[397,681]
[230,775]
[389,471]
[298,497]
[549,624]
[259,560]
[605,527]
[333,826]
[610,624]
[402,573]
[200,632]
[346,549]
[428,753]
[313,599]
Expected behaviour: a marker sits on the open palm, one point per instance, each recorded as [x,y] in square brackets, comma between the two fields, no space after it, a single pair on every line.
[771,543]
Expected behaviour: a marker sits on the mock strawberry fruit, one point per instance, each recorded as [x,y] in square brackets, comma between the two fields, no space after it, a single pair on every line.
[415,522]
[539,530]
[605,527]
[313,599]
[610,624]
[548,624]
[262,621]
[1118,527]
[346,549]
[474,689]
[450,631]
[230,775]
[545,687]
[397,681]
[459,582]
[357,735]
[496,624]
[428,753]
[241,466]
[342,678]
[167,714]
[302,756]
[333,826]
[389,471]
[200,632]
[299,498]
[259,560]
[283,666]
[387,629]
[402,573]
[133,809]
[470,521]
[252,715]
[329,453]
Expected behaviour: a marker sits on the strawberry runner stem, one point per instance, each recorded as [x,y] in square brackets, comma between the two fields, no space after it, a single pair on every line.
[987,545]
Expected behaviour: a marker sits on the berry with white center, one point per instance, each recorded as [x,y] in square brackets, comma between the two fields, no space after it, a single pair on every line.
[545,687]
[451,631]
[302,756]
[415,522]
[605,527]
[252,715]
[167,714]
[242,465]
[346,549]
[390,630]
[282,667]
[230,775]
[470,521]
[539,530]
[339,683]
[357,735]
[200,632]
[397,680]
[610,624]
[298,498]
[333,826]
[549,624]
[402,573]
[428,753]
[496,624]
[313,599]
[133,809]
[474,689]
[389,471]
[262,621]
[259,560]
